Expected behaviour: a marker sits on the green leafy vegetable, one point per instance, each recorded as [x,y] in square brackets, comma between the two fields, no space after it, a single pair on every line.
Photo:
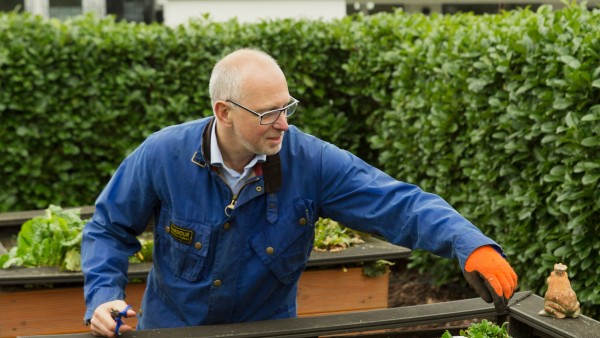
[377,268]
[332,236]
[485,329]
[53,239]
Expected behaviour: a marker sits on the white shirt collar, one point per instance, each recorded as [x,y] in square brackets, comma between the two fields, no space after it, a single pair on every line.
[216,157]
[234,179]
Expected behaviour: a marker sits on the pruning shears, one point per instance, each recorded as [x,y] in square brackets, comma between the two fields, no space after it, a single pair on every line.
[116,315]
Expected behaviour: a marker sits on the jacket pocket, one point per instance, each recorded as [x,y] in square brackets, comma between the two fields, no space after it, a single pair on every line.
[285,246]
[185,246]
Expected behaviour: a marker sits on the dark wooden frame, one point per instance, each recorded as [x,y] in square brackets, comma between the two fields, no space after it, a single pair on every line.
[524,322]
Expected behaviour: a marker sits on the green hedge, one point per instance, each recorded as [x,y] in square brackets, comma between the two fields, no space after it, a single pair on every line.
[499,114]
[76,97]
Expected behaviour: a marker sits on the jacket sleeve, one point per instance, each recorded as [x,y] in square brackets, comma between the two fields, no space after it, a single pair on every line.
[122,212]
[364,198]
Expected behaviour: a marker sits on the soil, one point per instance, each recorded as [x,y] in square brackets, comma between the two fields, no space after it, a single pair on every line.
[407,287]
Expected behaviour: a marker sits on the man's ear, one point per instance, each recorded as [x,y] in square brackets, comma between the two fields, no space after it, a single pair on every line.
[222,113]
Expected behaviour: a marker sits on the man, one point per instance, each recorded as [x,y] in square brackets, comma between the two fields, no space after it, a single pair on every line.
[235,198]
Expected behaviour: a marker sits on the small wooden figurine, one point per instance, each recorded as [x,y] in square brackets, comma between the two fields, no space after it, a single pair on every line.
[560,300]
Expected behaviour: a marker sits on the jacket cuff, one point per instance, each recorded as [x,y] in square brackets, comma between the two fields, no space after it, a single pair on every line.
[99,297]
[470,241]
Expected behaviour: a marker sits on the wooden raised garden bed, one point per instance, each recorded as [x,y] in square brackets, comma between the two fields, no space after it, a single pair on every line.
[325,288]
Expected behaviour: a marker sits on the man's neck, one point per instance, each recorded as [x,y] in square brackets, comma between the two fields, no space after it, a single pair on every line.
[233,158]
[238,165]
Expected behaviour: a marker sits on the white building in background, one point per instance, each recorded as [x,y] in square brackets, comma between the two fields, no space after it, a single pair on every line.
[175,12]
[179,11]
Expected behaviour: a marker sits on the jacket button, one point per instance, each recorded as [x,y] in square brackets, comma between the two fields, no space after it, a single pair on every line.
[226,226]
[217,283]
[167,229]
[259,188]
[198,245]
[270,250]
[302,221]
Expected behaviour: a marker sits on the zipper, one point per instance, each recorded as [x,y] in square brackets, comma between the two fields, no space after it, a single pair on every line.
[229,208]
[231,205]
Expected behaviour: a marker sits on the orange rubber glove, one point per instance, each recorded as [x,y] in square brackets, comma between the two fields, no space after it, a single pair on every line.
[490,275]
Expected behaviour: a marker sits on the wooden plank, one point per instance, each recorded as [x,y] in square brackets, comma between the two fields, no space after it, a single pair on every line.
[45,275]
[329,324]
[54,311]
[371,250]
[526,312]
[337,291]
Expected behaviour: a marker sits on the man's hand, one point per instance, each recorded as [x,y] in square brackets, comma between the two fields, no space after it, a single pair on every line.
[491,276]
[102,322]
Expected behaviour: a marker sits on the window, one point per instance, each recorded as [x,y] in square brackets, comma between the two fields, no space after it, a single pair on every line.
[532,7]
[370,7]
[475,9]
[11,5]
[63,9]
[131,10]
[485,8]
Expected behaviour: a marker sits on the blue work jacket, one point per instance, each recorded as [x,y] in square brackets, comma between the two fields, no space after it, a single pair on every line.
[221,258]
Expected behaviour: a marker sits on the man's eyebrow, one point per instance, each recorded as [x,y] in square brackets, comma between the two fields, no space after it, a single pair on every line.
[270,108]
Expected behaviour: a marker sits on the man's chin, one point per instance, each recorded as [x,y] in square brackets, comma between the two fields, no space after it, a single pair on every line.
[271,150]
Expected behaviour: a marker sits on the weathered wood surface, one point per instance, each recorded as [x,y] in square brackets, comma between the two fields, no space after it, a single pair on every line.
[526,322]
[340,290]
[52,311]
[522,310]
[329,324]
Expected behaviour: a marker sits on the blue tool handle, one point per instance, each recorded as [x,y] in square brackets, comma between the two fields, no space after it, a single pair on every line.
[119,320]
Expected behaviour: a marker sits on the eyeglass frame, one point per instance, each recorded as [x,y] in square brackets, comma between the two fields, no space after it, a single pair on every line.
[261,115]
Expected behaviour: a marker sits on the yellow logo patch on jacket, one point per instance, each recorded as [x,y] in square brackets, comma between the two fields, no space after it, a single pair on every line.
[180,234]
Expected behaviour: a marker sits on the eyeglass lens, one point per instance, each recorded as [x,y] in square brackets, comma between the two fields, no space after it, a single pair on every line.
[272,116]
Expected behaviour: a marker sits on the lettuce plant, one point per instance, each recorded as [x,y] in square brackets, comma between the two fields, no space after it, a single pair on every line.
[52,239]
[485,329]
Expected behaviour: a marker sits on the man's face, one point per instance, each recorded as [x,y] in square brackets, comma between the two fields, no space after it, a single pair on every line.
[264,92]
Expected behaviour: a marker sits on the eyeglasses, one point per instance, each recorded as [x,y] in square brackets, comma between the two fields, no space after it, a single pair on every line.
[269,117]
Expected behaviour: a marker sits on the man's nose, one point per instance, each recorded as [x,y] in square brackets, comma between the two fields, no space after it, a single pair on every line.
[281,123]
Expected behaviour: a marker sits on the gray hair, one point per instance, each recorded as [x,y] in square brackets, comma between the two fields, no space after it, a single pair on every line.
[226,79]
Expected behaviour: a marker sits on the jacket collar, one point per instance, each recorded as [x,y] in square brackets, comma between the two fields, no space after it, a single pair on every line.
[271,168]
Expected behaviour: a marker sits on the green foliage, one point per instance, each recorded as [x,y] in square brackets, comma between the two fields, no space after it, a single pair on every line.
[332,236]
[53,239]
[77,96]
[484,329]
[377,268]
[145,253]
[498,114]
